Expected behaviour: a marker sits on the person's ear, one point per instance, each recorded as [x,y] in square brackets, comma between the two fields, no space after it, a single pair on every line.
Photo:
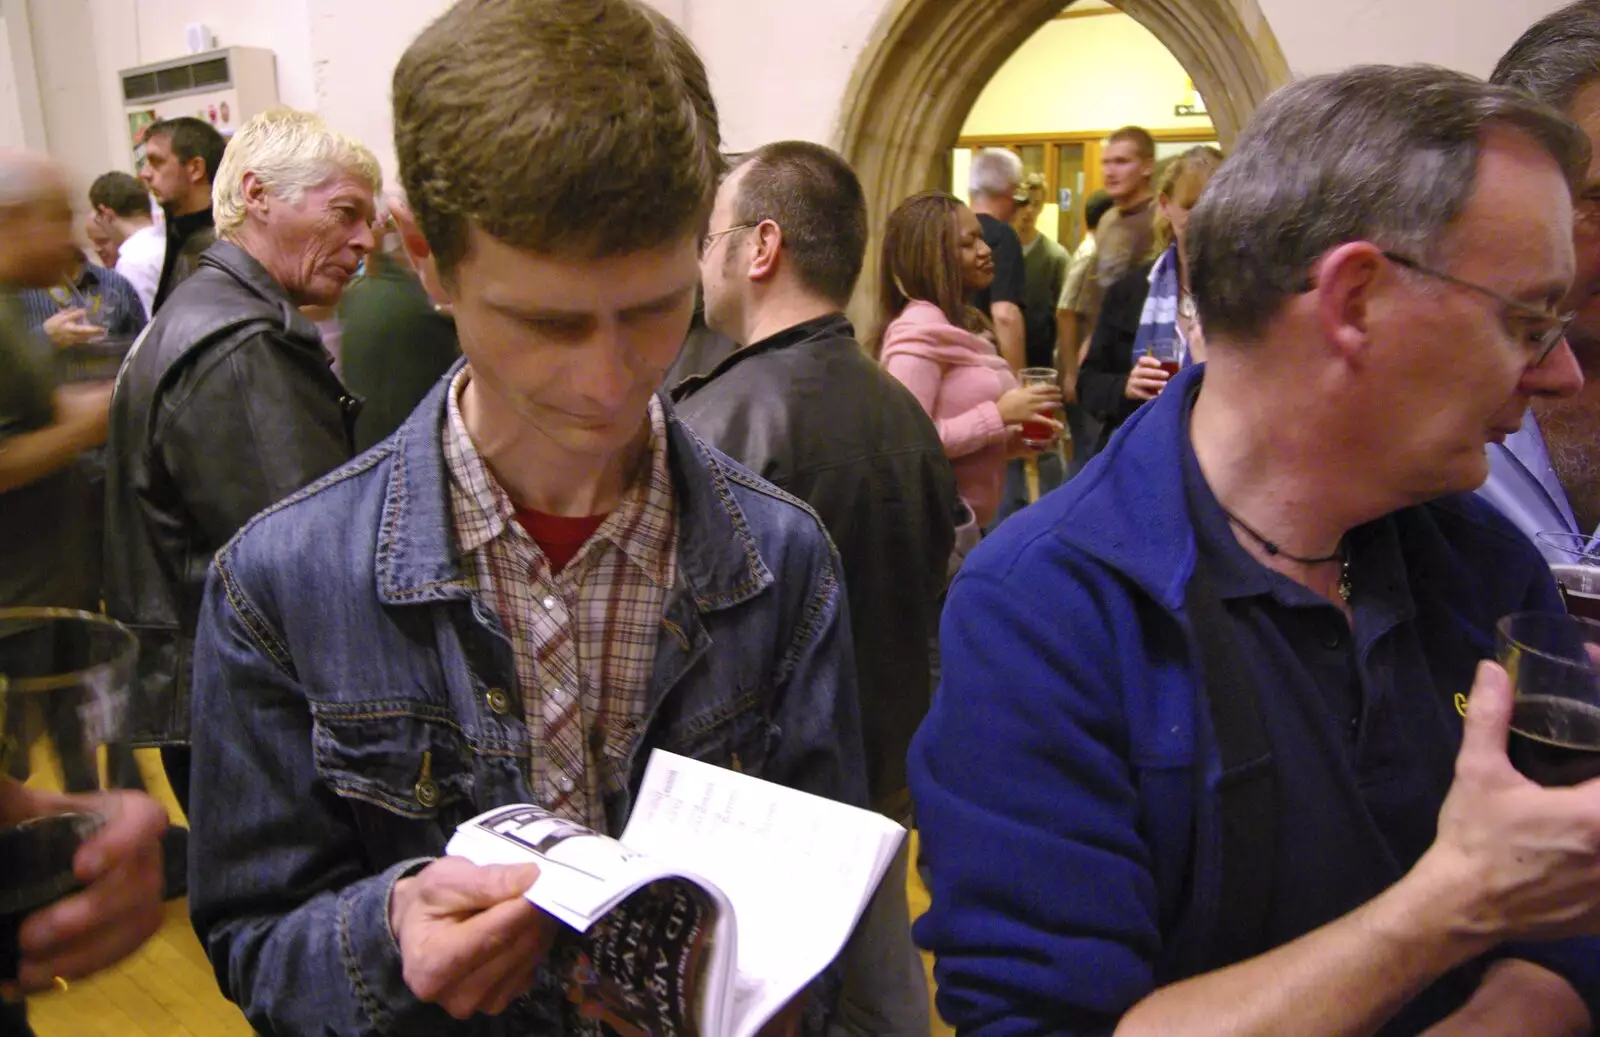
[419,253]
[1348,280]
[257,198]
[769,242]
[195,170]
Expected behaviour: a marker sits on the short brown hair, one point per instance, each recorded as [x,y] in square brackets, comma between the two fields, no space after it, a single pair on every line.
[1139,137]
[814,197]
[922,261]
[191,138]
[555,125]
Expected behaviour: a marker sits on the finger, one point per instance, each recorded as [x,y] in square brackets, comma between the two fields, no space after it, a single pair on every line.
[456,886]
[134,823]
[500,980]
[1488,722]
[93,952]
[130,891]
[458,951]
[117,928]
[19,802]
[514,986]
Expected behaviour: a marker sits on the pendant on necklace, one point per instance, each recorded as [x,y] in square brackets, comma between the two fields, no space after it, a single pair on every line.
[1344,588]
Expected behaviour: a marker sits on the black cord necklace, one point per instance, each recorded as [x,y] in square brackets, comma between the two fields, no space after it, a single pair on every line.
[1273,550]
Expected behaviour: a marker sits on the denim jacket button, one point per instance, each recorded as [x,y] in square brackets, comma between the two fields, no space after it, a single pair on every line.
[498,701]
[427,793]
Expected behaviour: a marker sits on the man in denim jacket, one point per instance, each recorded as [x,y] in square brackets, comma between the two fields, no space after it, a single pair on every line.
[538,579]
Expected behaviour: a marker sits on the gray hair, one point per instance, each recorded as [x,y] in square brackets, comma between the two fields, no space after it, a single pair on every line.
[1376,153]
[1556,58]
[996,172]
[290,152]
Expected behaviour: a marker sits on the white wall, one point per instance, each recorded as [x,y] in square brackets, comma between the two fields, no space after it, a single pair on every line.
[353,55]
[1469,35]
[780,68]
[12,134]
[126,33]
[1078,74]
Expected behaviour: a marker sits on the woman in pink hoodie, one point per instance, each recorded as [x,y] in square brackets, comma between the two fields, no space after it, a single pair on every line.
[934,258]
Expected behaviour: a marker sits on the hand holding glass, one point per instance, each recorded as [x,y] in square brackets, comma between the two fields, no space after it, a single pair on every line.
[1553,661]
[64,678]
[1168,352]
[1040,434]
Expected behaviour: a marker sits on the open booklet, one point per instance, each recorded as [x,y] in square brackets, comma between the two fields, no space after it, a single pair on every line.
[725,896]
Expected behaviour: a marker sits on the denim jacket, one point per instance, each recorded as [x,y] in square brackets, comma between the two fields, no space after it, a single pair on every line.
[355,699]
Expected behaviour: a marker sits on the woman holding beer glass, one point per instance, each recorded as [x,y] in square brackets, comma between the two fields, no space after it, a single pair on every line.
[1149,313]
[936,344]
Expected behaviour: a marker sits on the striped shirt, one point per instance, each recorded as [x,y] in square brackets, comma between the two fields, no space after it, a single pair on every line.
[584,639]
[110,300]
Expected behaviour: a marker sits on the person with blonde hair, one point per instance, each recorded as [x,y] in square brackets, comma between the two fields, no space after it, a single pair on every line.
[1149,303]
[227,403]
[1169,305]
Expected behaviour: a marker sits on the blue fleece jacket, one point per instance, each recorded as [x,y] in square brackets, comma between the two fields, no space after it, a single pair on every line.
[1065,777]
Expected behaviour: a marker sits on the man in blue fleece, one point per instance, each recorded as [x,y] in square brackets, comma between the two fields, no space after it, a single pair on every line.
[1377,269]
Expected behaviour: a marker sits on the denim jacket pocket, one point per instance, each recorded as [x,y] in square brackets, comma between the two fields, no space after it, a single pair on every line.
[732,733]
[408,758]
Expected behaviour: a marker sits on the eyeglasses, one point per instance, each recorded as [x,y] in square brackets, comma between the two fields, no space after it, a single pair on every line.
[1545,330]
[711,238]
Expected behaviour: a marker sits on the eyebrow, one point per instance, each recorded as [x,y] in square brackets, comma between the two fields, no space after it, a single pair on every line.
[545,313]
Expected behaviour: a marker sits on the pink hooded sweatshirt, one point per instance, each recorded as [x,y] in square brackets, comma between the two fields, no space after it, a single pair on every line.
[958,377]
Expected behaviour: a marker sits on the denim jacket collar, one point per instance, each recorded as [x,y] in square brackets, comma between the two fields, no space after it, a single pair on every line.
[417,560]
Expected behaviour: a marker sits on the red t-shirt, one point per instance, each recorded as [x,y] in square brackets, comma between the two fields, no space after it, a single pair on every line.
[558,536]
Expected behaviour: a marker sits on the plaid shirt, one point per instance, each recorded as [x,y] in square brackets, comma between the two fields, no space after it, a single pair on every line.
[585,638]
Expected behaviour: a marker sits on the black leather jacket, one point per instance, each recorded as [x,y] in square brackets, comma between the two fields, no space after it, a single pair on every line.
[809,411]
[225,405]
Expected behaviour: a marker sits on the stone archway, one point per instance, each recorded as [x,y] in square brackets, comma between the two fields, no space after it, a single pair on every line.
[930,59]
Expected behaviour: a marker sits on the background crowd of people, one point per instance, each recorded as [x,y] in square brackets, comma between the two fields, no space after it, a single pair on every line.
[1151,583]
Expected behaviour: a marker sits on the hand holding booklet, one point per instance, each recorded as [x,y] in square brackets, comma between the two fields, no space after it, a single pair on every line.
[725,896]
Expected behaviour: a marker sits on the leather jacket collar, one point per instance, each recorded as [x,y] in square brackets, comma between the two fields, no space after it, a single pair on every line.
[832,325]
[248,271]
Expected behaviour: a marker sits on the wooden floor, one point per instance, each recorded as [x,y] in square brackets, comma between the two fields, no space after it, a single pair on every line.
[168,989]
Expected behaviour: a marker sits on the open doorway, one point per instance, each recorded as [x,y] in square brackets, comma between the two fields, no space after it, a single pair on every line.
[1088,71]
[920,81]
